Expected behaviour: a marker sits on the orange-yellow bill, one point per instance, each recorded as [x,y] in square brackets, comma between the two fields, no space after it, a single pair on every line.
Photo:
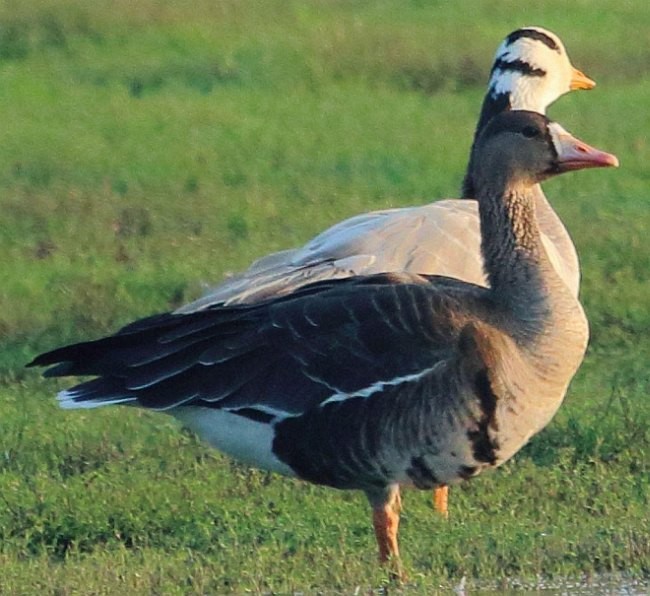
[579,80]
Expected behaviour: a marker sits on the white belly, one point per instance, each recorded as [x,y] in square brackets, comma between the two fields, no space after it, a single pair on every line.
[244,439]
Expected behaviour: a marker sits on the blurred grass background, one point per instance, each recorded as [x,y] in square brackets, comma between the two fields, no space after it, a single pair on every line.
[148,149]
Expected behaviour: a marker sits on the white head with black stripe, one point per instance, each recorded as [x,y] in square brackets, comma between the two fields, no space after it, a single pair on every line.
[532,67]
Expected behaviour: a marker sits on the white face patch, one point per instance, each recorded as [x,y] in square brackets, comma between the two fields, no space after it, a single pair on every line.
[557,134]
[530,91]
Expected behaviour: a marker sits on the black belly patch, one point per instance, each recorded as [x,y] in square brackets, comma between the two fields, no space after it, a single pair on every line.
[467,472]
[421,475]
[253,414]
[483,447]
[332,445]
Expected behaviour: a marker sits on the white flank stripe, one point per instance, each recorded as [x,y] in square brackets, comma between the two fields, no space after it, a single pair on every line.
[377,387]
[279,414]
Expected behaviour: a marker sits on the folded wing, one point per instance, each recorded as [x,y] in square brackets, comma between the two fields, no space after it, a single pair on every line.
[280,357]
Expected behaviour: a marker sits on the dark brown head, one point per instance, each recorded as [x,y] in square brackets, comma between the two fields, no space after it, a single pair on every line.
[524,148]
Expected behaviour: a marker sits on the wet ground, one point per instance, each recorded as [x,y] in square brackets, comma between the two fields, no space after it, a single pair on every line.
[613,584]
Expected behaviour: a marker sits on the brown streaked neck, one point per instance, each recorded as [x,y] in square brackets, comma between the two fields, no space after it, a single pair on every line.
[515,260]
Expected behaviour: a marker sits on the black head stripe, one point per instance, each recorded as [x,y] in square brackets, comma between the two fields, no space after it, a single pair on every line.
[533,34]
[518,66]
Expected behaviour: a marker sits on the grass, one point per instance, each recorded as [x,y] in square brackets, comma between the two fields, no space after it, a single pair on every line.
[150,148]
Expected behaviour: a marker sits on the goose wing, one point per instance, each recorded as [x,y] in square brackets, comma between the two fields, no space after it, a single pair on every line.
[442,238]
[280,357]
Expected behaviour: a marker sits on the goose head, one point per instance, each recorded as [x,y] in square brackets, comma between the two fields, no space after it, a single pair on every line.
[531,70]
[516,151]
[523,148]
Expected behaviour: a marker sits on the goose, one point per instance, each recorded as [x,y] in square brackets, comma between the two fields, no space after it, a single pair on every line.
[531,70]
[372,382]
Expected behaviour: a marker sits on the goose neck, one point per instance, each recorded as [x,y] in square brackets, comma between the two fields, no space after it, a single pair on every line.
[515,262]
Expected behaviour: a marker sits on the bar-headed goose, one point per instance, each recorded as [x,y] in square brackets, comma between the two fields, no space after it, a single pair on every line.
[371,382]
[531,70]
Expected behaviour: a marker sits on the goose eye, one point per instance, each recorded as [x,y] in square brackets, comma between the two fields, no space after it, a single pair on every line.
[530,132]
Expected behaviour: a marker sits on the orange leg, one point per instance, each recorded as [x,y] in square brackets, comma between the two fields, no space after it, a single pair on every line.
[385,519]
[440,499]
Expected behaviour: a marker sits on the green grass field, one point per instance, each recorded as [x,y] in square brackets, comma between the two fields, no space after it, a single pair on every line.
[149,148]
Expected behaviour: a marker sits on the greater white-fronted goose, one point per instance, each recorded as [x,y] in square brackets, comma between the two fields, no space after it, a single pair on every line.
[372,382]
[531,70]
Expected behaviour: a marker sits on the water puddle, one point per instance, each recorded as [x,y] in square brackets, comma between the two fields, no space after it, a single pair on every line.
[610,584]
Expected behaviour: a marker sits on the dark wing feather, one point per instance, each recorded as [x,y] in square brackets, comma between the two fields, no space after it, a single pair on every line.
[285,355]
